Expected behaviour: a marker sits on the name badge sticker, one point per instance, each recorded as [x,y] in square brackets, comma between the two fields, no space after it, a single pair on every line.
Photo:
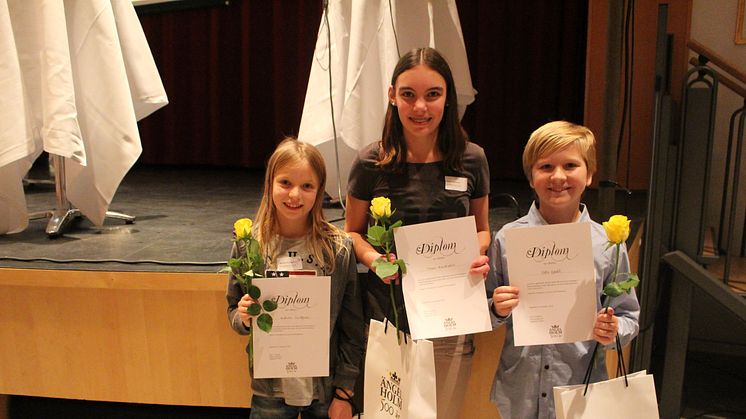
[288,263]
[454,183]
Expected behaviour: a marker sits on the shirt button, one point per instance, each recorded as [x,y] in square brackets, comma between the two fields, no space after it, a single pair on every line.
[543,394]
[546,367]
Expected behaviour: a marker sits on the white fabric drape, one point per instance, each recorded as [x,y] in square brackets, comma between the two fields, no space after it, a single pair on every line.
[105,100]
[145,84]
[364,53]
[78,75]
[41,113]
[16,142]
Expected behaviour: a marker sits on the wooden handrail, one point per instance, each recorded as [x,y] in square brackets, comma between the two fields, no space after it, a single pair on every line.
[706,282]
[732,85]
[717,60]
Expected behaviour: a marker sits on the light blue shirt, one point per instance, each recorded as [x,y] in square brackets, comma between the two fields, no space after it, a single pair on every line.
[522,387]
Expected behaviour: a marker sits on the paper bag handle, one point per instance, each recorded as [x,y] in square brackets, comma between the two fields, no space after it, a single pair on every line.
[621,369]
[386,329]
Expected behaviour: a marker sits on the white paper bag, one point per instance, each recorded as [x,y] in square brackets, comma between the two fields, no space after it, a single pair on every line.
[609,399]
[399,379]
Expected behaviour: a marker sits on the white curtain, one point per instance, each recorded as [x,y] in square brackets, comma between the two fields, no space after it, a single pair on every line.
[16,142]
[41,113]
[364,53]
[80,74]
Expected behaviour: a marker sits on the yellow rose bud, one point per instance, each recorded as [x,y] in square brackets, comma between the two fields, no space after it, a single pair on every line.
[242,228]
[380,207]
[617,229]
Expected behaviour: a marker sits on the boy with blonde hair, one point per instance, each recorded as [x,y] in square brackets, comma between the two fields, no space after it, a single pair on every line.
[559,161]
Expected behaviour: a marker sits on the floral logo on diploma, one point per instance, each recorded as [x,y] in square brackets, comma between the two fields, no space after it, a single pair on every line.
[291,367]
[449,323]
[555,331]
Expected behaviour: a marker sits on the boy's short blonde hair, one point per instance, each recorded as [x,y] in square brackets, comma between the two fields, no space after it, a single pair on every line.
[555,136]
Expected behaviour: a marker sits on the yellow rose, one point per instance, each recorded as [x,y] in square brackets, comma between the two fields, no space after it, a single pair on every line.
[617,228]
[243,228]
[380,207]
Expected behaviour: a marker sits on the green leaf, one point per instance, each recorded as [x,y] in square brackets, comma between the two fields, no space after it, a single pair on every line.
[234,263]
[613,289]
[255,256]
[253,248]
[269,305]
[226,269]
[244,283]
[389,236]
[258,266]
[385,268]
[254,309]
[629,283]
[240,278]
[402,265]
[374,242]
[254,292]
[375,235]
[264,322]
[396,225]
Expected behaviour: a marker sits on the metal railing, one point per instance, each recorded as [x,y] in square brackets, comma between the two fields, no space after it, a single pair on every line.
[686,277]
[725,242]
[678,247]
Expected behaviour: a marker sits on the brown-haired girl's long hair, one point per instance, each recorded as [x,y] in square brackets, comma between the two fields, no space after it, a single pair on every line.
[324,240]
[451,136]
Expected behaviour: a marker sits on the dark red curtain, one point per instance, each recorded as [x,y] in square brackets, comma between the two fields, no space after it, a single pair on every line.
[527,61]
[236,77]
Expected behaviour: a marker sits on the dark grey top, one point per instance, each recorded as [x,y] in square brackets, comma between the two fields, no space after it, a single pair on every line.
[418,193]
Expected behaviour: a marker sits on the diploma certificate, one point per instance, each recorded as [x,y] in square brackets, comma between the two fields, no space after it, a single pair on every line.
[553,267]
[441,297]
[298,345]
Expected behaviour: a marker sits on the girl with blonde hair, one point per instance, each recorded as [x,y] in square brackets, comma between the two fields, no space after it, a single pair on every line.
[290,228]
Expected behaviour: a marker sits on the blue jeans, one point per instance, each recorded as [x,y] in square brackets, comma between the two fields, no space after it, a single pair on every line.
[275,408]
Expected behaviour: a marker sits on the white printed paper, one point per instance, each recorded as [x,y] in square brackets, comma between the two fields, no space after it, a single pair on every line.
[553,268]
[441,297]
[298,345]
